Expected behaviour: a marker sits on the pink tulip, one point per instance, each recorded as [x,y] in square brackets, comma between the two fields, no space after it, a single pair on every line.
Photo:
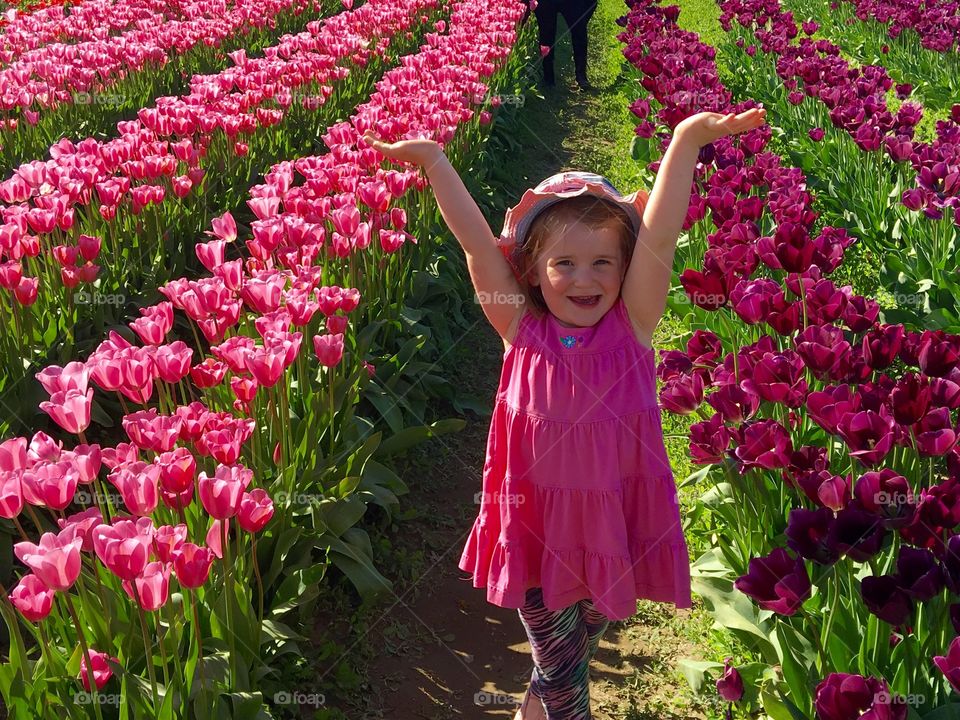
[102,672]
[167,540]
[256,509]
[11,493]
[124,547]
[137,483]
[177,469]
[221,494]
[70,409]
[13,454]
[152,586]
[83,524]
[213,539]
[55,561]
[152,431]
[176,500]
[192,563]
[329,349]
[32,598]
[73,376]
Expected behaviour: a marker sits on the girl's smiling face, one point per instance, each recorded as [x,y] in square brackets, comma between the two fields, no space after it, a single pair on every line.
[580,261]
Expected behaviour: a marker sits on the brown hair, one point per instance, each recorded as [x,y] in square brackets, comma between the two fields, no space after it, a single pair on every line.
[586,209]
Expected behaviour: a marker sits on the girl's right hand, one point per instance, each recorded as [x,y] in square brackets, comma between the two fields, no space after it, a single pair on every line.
[421,151]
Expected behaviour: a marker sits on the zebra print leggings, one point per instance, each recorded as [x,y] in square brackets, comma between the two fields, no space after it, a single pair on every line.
[563,642]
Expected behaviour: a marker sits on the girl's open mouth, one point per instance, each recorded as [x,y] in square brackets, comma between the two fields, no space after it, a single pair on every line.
[586,301]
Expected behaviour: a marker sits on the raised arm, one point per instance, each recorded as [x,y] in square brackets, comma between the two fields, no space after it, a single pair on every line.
[493,280]
[647,280]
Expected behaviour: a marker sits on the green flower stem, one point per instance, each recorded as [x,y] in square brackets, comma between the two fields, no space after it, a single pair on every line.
[228,597]
[147,646]
[86,654]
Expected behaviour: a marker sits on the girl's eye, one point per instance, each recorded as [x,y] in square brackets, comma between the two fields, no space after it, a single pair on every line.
[602,261]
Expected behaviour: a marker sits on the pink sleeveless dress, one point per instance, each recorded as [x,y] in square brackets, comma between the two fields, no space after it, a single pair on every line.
[578,495]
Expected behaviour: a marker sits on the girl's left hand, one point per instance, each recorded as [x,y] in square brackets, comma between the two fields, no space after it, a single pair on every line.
[703,128]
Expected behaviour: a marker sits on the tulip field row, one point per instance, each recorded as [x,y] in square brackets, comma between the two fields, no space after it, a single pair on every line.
[827,431]
[126,210]
[163,567]
[89,83]
[918,46]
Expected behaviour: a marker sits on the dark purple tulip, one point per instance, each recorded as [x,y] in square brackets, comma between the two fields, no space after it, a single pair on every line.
[950,665]
[683,394]
[951,564]
[766,444]
[861,313]
[831,244]
[869,435]
[899,149]
[875,394]
[707,290]
[751,299]
[828,406]
[672,364]
[778,377]
[939,352]
[929,521]
[790,248]
[735,404]
[945,391]
[935,433]
[920,575]
[910,398]
[821,347]
[816,134]
[884,597]
[709,441]
[886,494]
[776,582]
[825,302]
[910,349]
[841,696]
[955,113]
[881,345]
[704,347]
[912,199]
[784,316]
[904,90]
[824,488]
[857,533]
[807,532]
[805,459]
[730,685]
[640,108]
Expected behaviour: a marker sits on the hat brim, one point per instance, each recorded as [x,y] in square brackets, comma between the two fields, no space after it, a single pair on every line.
[519,218]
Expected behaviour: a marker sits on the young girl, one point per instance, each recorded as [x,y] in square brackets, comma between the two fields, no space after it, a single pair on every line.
[579,515]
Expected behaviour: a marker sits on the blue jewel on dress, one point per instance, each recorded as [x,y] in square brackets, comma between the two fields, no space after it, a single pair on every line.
[570,340]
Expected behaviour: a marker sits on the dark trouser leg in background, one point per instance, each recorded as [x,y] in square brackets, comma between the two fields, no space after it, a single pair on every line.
[546,12]
[577,13]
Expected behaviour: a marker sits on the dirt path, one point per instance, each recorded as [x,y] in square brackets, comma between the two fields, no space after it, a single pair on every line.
[436,649]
